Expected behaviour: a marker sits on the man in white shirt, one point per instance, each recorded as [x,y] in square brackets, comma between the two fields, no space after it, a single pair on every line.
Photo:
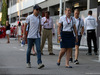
[33,36]
[48,31]
[80,29]
[90,25]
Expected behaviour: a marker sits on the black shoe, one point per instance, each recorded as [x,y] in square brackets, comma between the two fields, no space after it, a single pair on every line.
[69,67]
[58,64]
[88,53]
[71,60]
[76,62]
[42,54]
[95,53]
[51,54]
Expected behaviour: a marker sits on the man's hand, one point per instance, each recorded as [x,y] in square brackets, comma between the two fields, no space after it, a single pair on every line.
[46,21]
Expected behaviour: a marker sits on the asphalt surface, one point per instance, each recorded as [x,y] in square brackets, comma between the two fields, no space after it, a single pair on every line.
[13,62]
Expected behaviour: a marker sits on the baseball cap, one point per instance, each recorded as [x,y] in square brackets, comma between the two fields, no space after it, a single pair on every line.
[36,7]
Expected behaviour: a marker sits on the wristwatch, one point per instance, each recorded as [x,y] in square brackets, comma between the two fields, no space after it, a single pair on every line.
[59,35]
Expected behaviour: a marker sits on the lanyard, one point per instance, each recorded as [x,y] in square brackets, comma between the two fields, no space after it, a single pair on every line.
[79,24]
[67,20]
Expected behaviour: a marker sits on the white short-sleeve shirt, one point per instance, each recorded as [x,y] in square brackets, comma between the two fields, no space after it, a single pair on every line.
[90,23]
[67,23]
[49,23]
[79,24]
[34,24]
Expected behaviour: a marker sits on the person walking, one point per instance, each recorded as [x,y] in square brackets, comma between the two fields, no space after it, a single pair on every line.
[80,29]
[48,31]
[66,36]
[27,30]
[7,31]
[19,32]
[34,36]
[90,25]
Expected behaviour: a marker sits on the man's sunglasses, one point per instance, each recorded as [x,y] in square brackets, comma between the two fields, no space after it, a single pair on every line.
[37,9]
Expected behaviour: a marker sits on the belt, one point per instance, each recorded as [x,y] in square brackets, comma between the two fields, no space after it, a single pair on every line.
[48,28]
[91,30]
[68,31]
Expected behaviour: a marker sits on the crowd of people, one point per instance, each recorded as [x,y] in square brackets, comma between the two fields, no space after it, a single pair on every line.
[70,30]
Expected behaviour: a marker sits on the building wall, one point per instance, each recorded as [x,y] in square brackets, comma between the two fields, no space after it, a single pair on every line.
[26,6]
[83,15]
[98,28]
[49,3]
[23,5]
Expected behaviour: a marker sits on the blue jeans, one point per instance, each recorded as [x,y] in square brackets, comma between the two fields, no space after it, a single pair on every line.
[30,44]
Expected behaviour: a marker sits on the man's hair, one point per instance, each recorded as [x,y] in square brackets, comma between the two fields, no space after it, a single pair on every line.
[90,12]
[68,7]
[47,12]
[77,10]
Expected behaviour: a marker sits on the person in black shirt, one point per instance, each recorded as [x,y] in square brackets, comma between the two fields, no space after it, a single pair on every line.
[7,31]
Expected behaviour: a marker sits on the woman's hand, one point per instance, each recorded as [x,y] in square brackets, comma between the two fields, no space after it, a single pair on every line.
[59,38]
[76,39]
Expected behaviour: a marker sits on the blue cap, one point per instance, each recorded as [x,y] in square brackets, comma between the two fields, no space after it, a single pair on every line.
[36,7]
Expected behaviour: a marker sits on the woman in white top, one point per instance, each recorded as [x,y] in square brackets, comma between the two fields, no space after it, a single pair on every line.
[66,37]
[7,31]
[19,32]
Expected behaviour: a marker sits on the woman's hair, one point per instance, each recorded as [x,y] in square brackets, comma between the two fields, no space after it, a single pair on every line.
[77,10]
[19,24]
[8,22]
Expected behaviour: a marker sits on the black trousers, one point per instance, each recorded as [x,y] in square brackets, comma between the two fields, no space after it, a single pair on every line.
[91,35]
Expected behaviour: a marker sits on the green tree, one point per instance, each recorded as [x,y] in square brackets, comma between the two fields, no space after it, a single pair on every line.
[4,12]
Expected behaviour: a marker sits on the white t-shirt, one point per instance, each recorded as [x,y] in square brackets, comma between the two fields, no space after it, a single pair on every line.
[34,26]
[90,23]
[67,23]
[19,30]
[79,24]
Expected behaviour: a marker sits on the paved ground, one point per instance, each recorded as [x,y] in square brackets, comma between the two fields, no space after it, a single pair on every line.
[12,62]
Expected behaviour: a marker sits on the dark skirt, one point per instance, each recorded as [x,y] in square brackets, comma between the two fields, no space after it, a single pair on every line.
[67,40]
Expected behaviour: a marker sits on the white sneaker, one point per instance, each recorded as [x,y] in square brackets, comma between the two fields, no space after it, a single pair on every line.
[40,66]
[22,45]
[28,65]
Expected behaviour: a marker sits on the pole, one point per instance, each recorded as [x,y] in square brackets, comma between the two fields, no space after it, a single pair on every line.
[19,10]
[60,13]
[64,6]
[10,13]
[99,49]
[88,4]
